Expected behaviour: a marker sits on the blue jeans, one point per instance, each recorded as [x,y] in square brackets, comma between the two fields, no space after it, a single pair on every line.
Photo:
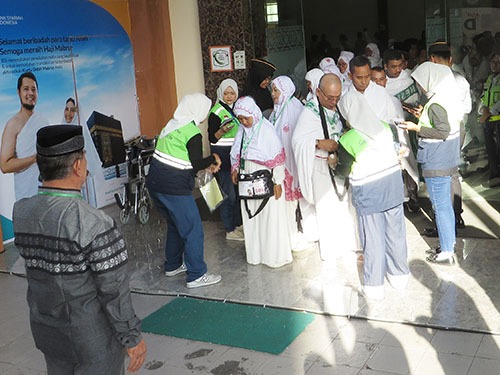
[230,209]
[439,189]
[184,233]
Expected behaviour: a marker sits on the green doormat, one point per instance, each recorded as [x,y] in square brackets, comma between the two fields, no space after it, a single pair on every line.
[262,329]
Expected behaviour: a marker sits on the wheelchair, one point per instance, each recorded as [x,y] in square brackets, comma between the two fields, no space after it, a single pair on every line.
[135,196]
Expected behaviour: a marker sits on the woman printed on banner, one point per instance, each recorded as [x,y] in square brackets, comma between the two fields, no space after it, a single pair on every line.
[73,116]
[287,109]
[257,147]
[222,128]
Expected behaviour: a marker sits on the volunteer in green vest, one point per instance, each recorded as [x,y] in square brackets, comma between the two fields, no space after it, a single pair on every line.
[490,118]
[222,128]
[368,156]
[177,158]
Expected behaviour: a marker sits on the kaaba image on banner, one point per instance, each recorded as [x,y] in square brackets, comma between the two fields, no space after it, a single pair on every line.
[107,135]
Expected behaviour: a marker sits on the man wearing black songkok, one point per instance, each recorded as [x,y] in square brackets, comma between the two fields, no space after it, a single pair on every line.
[81,313]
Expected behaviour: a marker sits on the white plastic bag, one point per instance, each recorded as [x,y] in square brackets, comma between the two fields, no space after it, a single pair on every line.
[210,190]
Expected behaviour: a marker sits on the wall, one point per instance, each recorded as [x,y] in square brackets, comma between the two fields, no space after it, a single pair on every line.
[338,17]
[186,46]
[406,18]
[225,22]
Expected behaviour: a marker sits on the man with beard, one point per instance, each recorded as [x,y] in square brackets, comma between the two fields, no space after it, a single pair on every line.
[18,152]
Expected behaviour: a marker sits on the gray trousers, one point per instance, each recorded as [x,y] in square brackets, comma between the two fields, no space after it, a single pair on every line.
[112,364]
[383,238]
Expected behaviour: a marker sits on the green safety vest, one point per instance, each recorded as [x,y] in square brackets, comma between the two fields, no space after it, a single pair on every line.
[228,138]
[425,122]
[171,149]
[491,94]
[369,163]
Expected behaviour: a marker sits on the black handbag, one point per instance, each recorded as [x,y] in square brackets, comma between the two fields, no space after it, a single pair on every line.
[255,185]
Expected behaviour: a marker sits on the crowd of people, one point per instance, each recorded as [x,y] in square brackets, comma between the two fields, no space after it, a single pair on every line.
[337,167]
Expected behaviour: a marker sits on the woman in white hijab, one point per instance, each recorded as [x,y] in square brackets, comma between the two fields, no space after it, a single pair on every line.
[73,116]
[343,65]
[257,147]
[328,65]
[177,158]
[287,109]
[222,128]
[438,153]
[373,54]
[312,81]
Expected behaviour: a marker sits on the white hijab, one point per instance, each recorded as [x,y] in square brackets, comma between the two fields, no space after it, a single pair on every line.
[375,59]
[191,108]
[328,65]
[358,113]
[313,76]
[346,57]
[228,82]
[284,117]
[264,148]
[439,84]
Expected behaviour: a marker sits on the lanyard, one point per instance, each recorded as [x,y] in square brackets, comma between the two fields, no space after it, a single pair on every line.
[245,143]
[276,116]
[56,194]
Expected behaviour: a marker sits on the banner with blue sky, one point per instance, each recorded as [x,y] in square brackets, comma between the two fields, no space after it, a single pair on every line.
[76,49]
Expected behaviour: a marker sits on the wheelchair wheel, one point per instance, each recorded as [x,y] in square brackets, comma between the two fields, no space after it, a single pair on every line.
[143,213]
[124,216]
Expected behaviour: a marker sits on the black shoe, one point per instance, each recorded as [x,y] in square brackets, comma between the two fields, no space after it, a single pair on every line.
[430,232]
[433,258]
[459,222]
[435,251]
[412,206]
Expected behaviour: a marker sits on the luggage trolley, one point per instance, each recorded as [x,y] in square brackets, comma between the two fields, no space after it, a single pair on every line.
[135,196]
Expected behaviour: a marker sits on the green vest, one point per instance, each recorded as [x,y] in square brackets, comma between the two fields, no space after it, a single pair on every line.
[171,149]
[353,143]
[425,122]
[220,111]
[491,94]
[368,161]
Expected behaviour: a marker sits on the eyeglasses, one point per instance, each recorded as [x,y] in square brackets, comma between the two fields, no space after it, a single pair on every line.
[330,98]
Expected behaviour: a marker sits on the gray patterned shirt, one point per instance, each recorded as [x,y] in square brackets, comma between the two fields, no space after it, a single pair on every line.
[78,282]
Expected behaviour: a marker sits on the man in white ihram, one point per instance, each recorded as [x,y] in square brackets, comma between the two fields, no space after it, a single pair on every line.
[336,228]
[18,152]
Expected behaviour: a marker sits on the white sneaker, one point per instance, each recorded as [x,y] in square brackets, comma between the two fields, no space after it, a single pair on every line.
[373,292]
[177,271]
[235,235]
[205,280]
[398,282]
[239,228]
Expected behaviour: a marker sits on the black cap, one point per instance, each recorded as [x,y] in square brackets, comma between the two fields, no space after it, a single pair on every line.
[439,48]
[262,69]
[57,140]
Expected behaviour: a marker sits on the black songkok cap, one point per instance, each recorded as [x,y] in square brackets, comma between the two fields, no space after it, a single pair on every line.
[57,140]
[262,69]
[439,47]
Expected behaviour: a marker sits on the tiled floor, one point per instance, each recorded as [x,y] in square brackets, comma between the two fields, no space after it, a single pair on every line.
[329,345]
[403,335]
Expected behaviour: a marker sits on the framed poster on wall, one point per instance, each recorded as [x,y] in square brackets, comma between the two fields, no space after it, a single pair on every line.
[220,58]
